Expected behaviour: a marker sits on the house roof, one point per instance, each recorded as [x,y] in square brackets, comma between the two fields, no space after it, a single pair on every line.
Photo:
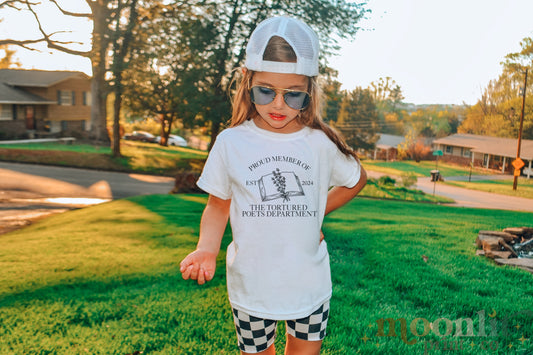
[387,141]
[37,78]
[496,146]
[12,95]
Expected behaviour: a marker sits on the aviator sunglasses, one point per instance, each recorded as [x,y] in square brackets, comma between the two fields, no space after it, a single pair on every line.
[262,95]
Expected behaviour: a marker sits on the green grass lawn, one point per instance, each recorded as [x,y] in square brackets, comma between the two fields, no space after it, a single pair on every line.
[105,280]
[137,157]
[423,168]
[503,187]
[375,190]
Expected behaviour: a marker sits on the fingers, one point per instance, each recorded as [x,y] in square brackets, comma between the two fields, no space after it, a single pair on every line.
[196,268]
[209,275]
[196,272]
[201,276]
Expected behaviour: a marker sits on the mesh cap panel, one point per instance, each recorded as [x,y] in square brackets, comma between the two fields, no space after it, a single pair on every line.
[297,34]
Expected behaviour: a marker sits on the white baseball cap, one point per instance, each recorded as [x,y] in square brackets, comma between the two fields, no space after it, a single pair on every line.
[298,35]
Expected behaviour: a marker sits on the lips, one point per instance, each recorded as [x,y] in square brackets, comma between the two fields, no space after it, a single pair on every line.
[277,117]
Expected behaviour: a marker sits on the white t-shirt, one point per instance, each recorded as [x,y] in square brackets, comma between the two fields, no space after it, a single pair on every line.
[278,184]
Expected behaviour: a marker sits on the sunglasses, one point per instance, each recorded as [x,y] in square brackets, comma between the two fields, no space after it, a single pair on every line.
[262,95]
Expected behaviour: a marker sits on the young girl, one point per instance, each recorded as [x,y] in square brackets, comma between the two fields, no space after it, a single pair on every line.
[270,173]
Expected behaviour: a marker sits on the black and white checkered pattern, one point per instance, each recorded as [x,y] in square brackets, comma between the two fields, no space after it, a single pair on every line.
[254,334]
[257,334]
[312,327]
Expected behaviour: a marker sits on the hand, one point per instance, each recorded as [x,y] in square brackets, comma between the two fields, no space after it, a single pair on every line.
[199,265]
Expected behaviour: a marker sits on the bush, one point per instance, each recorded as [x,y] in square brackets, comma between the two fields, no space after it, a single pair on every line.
[408,179]
[386,181]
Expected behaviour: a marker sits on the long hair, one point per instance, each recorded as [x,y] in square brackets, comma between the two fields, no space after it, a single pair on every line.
[243,109]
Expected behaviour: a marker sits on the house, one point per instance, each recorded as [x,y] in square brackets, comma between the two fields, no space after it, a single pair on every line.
[39,103]
[488,152]
[387,147]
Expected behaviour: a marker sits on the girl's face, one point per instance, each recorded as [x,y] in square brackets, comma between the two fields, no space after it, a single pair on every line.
[277,116]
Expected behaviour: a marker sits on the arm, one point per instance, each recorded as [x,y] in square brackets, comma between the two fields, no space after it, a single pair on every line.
[201,264]
[340,195]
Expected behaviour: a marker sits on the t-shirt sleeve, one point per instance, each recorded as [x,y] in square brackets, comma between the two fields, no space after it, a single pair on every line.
[346,170]
[214,178]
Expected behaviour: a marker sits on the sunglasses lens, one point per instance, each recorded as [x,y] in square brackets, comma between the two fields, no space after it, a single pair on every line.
[261,95]
[296,100]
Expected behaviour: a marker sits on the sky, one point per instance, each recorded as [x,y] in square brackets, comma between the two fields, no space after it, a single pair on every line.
[437,51]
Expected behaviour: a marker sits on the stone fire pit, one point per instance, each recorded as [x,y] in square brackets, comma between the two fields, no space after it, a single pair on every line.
[512,246]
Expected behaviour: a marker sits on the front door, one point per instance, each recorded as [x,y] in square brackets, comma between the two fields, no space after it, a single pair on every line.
[30,117]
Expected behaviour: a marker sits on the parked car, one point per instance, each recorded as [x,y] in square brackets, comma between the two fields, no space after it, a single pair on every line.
[173,140]
[140,136]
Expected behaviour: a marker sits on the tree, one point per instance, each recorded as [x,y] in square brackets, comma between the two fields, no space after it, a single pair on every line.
[8,59]
[333,96]
[111,22]
[497,112]
[235,20]
[388,96]
[358,119]
[121,50]
[413,148]
[166,77]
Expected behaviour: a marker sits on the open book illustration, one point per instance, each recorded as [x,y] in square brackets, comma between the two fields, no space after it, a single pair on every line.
[280,184]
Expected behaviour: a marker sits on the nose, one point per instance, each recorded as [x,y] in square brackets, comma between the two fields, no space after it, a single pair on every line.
[279,101]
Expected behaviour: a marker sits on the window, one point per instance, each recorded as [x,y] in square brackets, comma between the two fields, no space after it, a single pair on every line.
[87,100]
[6,112]
[64,125]
[465,152]
[55,126]
[449,149]
[65,98]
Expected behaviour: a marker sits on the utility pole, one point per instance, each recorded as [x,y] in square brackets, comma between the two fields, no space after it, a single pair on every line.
[518,163]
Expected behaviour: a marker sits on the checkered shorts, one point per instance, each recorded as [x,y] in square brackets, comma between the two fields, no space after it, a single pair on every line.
[258,334]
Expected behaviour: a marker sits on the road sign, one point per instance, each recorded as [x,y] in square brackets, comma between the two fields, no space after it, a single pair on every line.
[518,163]
[516,172]
[438,153]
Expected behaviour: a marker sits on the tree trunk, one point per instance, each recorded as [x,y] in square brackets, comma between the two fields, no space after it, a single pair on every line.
[116,119]
[99,90]
[99,110]
[164,131]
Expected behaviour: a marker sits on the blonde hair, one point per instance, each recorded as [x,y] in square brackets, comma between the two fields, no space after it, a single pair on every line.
[243,108]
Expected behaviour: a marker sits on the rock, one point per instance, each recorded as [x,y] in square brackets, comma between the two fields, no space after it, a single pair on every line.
[508,237]
[525,232]
[480,252]
[497,254]
[488,242]
[523,263]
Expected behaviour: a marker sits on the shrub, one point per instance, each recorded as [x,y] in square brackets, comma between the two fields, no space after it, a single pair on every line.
[386,181]
[408,179]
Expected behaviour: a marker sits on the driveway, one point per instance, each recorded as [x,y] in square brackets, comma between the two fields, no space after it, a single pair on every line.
[30,192]
[471,198]
[475,199]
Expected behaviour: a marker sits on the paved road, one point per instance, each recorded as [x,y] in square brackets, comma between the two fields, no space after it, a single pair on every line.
[30,192]
[51,181]
[475,199]
[472,198]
